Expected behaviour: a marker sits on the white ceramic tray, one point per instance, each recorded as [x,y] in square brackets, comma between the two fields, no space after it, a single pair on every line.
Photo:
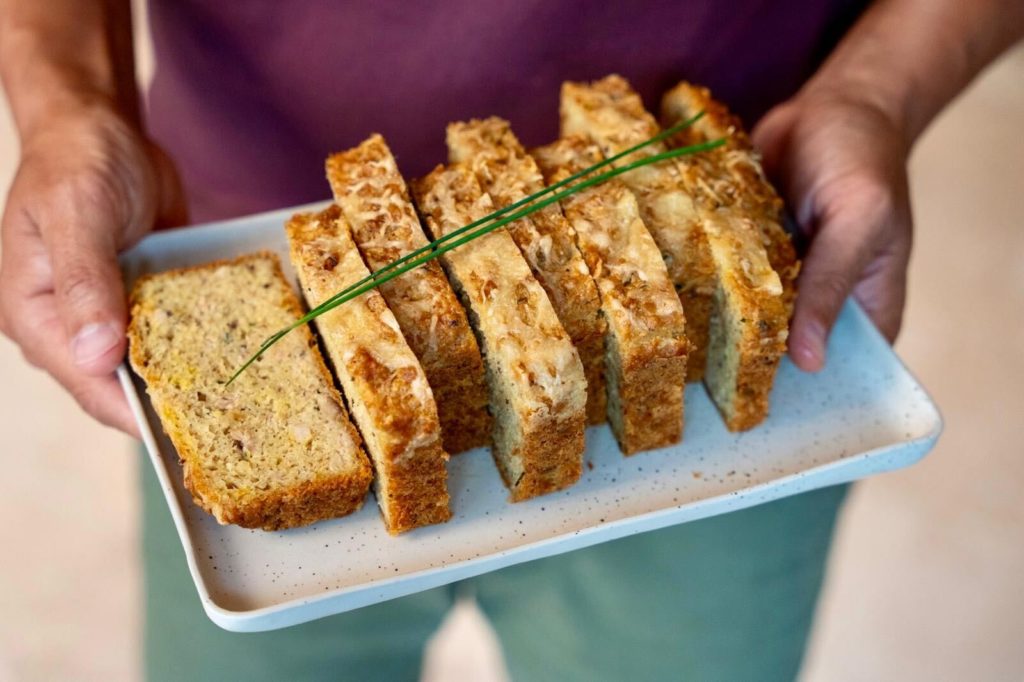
[862,415]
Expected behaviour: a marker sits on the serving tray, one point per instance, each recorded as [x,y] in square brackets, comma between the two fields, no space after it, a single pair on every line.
[863,414]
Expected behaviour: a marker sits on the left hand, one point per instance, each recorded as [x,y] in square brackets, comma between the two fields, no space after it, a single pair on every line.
[840,163]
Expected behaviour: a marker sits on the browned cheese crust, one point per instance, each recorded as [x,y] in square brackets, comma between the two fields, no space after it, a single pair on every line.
[734,173]
[383,382]
[535,377]
[370,190]
[508,174]
[646,347]
[273,450]
[611,113]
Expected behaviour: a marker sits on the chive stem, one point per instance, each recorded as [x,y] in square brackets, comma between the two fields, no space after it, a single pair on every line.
[481,227]
[525,200]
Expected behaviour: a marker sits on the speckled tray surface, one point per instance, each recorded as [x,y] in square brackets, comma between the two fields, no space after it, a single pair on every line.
[862,415]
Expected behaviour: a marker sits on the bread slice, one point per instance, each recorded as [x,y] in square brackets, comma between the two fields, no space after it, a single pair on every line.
[373,196]
[646,346]
[537,386]
[273,450]
[756,261]
[611,114]
[749,326]
[734,174]
[508,174]
[380,376]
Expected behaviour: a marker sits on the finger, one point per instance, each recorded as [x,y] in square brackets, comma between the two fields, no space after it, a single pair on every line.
[833,265]
[82,246]
[39,331]
[882,290]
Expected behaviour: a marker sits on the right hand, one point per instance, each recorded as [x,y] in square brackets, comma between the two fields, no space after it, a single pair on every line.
[89,185]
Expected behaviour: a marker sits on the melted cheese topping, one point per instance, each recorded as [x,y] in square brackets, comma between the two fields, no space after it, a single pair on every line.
[371,192]
[383,380]
[513,315]
[508,174]
[613,116]
[638,298]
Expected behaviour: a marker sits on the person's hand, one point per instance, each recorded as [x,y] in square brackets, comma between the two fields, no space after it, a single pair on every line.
[88,185]
[840,163]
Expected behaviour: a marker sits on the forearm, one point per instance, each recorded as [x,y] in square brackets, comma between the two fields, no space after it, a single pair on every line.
[909,58]
[57,54]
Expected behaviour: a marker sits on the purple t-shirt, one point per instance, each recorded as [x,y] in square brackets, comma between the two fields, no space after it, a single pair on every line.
[250,96]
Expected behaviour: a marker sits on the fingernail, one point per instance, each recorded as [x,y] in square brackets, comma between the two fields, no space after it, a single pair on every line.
[92,342]
[809,350]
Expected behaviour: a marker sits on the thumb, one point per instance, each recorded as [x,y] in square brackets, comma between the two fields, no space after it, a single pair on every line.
[87,286]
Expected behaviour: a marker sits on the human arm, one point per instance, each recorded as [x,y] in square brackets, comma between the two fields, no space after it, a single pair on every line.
[839,149]
[89,184]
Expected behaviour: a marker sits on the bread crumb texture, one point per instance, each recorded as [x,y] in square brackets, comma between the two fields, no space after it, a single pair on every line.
[273,450]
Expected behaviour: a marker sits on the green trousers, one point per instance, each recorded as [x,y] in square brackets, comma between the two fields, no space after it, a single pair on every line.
[727,598]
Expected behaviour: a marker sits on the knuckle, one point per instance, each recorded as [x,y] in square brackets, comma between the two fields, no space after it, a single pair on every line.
[77,283]
[834,289]
[826,292]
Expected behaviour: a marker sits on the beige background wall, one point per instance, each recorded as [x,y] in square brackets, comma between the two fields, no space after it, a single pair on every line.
[926,580]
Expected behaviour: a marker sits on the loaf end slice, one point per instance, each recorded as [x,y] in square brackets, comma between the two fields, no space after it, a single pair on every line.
[383,382]
[273,450]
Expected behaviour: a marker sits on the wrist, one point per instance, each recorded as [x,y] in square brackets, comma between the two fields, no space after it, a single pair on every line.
[68,111]
[57,57]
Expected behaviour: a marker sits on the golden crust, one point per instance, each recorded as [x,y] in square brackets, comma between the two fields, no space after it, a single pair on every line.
[536,379]
[508,174]
[734,174]
[370,190]
[647,346]
[611,114]
[322,496]
[386,388]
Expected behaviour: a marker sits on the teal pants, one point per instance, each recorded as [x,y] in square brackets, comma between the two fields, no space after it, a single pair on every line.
[727,598]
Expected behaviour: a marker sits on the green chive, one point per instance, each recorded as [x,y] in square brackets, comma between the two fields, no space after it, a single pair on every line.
[502,217]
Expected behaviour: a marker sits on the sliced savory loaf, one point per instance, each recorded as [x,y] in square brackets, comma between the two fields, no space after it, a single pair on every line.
[373,196]
[646,347]
[508,174]
[275,449]
[733,173]
[611,114]
[536,381]
[383,382]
